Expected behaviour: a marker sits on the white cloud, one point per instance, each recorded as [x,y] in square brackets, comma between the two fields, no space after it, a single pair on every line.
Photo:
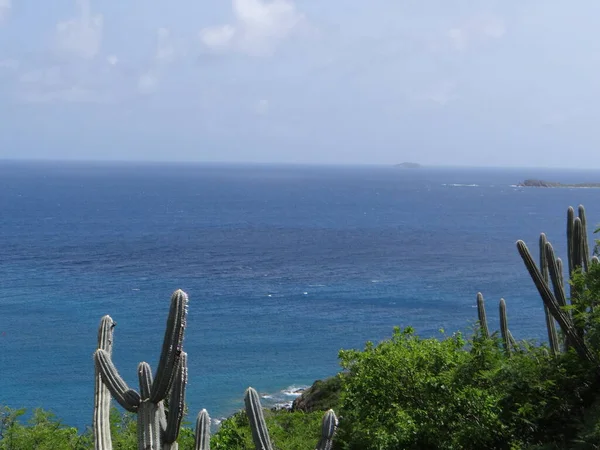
[475,30]
[112,60]
[9,64]
[82,35]
[262,107]
[5,6]
[259,26]
[147,83]
[442,93]
[218,38]
[165,49]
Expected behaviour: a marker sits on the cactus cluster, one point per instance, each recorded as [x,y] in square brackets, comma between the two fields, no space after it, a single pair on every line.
[508,341]
[158,427]
[549,281]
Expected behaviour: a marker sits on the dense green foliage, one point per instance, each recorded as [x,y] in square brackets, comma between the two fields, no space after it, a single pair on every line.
[413,393]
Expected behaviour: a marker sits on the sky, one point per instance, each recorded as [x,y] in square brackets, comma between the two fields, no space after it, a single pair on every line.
[438,82]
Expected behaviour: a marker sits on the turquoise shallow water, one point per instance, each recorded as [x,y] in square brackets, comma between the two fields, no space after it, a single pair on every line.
[284,266]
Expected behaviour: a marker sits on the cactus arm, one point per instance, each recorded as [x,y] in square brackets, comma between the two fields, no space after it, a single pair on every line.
[202,440]
[504,327]
[172,346]
[260,433]
[550,301]
[127,398]
[145,379]
[176,401]
[483,325]
[328,428]
[584,236]
[102,437]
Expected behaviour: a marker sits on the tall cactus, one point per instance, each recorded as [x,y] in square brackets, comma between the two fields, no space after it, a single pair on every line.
[328,427]
[483,325]
[554,307]
[102,438]
[155,431]
[202,436]
[260,432]
[550,323]
[504,327]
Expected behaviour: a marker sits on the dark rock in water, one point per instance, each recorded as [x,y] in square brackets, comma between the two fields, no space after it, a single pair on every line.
[547,184]
[321,396]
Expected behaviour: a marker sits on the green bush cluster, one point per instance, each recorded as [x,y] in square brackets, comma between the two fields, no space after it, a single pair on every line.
[414,393]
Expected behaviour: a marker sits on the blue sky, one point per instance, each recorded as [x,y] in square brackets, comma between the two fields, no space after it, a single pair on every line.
[507,83]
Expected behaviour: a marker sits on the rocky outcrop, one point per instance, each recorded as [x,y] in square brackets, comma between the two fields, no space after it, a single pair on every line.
[548,184]
[321,396]
[408,165]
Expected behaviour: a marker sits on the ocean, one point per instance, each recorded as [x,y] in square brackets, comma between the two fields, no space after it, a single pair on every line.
[284,266]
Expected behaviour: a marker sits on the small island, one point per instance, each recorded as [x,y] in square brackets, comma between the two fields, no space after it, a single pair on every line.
[408,165]
[554,184]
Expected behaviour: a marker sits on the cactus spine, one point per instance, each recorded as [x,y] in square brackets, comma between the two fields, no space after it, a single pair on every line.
[260,433]
[483,325]
[102,438]
[328,428]
[155,432]
[203,431]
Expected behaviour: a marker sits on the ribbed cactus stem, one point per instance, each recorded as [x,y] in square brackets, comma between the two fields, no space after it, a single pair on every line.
[202,431]
[577,245]
[543,258]
[176,401]
[552,304]
[102,438]
[504,327]
[555,266]
[483,325]
[148,426]
[260,433]
[570,220]
[550,324]
[561,271]
[126,397]
[328,428]
[172,346]
[584,238]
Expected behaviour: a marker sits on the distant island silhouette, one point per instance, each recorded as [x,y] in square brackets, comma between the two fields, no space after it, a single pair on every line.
[554,184]
[408,165]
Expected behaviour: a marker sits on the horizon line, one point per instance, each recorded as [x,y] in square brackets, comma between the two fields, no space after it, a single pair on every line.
[281,164]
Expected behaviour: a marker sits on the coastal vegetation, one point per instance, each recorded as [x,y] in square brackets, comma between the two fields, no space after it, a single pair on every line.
[487,390]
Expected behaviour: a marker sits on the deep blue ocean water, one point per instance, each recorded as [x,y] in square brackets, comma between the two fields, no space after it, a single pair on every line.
[284,267]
